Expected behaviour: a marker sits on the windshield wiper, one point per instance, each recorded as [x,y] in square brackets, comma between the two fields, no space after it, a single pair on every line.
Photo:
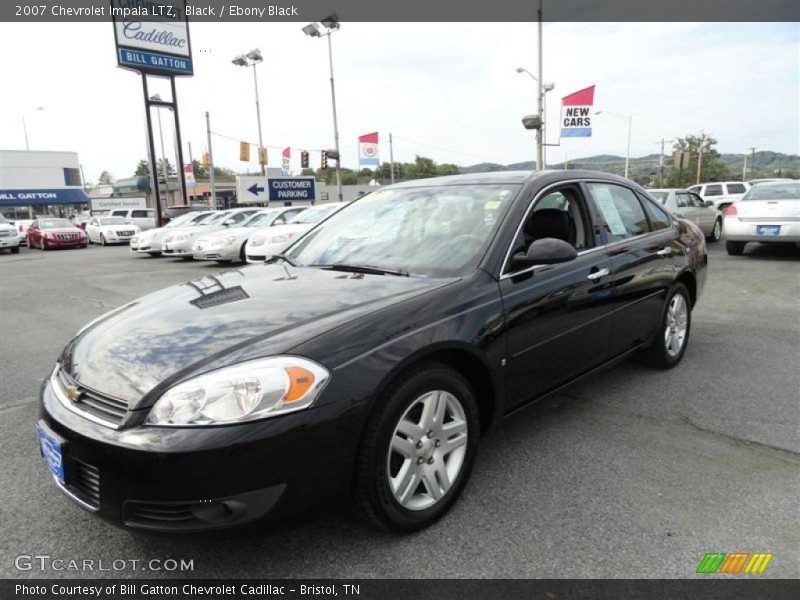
[284,258]
[362,269]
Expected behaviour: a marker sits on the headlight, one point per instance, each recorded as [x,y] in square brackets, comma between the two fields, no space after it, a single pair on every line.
[183,236]
[253,390]
[135,239]
[168,238]
[256,240]
[226,241]
[279,239]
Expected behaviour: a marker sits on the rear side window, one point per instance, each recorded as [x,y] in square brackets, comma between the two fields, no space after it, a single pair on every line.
[659,219]
[142,214]
[714,190]
[119,213]
[682,199]
[736,188]
[619,210]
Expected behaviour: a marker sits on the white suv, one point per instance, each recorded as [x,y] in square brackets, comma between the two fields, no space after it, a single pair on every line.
[721,193]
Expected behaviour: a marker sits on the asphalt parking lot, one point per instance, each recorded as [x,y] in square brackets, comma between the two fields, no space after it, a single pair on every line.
[635,473]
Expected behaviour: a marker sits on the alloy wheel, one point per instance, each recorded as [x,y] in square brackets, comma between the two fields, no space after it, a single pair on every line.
[716,232]
[675,330]
[427,450]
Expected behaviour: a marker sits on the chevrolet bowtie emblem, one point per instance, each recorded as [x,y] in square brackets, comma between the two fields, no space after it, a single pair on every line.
[72,393]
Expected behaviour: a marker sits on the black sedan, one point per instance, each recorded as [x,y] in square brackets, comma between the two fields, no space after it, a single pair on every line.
[367,361]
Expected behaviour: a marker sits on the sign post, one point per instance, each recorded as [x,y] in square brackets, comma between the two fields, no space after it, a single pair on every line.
[152,38]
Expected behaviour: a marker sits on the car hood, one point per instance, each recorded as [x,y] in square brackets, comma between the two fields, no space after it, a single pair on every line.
[139,350]
[62,230]
[126,227]
[277,230]
[7,227]
[226,231]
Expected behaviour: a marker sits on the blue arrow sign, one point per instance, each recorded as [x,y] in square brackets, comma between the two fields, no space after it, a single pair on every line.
[255,189]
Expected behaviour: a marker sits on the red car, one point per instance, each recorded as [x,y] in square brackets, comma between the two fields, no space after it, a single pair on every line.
[51,232]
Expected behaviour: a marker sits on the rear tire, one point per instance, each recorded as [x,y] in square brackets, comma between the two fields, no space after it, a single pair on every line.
[103,241]
[735,248]
[716,232]
[672,337]
[15,250]
[409,488]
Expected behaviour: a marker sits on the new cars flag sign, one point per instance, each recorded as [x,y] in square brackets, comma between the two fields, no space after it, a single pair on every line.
[287,158]
[576,113]
[368,150]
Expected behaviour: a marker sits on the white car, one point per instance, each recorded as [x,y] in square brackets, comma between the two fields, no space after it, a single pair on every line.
[228,245]
[9,237]
[722,193]
[768,213]
[21,226]
[275,240]
[149,242]
[143,218]
[179,242]
[110,230]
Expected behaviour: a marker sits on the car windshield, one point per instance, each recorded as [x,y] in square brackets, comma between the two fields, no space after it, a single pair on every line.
[214,218]
[314,215]
[54,224]
[186,219]
[773,191]
[436,231]
[3,220]
[112,221]
[260,219]
[660,196]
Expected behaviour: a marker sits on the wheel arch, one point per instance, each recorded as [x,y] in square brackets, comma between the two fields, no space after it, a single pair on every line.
[687,278]
[468,362]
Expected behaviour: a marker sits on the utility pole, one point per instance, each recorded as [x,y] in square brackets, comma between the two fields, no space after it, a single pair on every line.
[744,168]
[540,102]
[661,162]
[700,155]
[191,162]
[211,164]
[752,161]
[391,159]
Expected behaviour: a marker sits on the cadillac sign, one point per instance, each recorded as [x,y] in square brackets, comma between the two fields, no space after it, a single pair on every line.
[152,36]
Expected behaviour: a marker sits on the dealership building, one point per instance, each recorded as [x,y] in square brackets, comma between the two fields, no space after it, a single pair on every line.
[40,183]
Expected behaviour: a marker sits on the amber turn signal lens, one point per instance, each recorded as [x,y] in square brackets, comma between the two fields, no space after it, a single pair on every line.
[300,381]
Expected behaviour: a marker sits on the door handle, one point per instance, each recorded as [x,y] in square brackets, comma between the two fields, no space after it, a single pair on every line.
[665,251]
[597,274]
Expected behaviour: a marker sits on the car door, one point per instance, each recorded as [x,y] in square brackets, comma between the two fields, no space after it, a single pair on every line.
[706,215]
[642,261]
[33,234]
[558,316]
[91,230]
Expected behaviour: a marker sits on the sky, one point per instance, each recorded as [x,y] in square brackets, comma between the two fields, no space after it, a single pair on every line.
[449,91]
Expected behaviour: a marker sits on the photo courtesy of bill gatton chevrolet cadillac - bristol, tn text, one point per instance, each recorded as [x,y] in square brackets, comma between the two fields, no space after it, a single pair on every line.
[430,310]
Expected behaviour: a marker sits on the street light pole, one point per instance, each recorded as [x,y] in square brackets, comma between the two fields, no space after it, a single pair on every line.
[252,59]
[540,101]
[331,23]
[547,87]
[629,119]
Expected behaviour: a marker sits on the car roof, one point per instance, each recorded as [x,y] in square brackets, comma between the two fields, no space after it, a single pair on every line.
[666,190]
[510,177]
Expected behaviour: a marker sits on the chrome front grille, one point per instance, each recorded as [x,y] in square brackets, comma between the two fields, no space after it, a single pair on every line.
[5,233]
[105,409]
[67,236]
[125,233]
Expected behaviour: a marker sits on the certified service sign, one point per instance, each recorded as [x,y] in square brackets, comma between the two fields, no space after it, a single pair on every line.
[152,36]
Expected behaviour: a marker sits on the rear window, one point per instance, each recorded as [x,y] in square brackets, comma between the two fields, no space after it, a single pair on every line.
[714,190]
[736,188]
[774,191]
[142,214]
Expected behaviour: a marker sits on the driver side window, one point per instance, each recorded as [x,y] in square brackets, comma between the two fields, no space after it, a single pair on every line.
[558,214]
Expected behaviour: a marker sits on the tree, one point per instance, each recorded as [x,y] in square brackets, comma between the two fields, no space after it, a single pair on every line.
[446,169]
[200,172]
[105,178]
[142,169]
[422,167]
[711,168]
[164,166]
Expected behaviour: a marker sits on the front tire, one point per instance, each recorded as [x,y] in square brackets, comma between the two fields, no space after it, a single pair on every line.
[417,449]
[15,250]
[672,337]
[103,241]
[735,248]
[716,232]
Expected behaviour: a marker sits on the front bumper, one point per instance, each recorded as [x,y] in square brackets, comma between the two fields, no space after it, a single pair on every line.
[77,242]
[258,254]
[10,241]
[177,248]
[210,252]
[736,230]
[145,246]
[203,478]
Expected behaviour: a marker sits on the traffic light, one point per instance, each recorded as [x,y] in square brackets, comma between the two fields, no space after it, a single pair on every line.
[324,159]
[304,159]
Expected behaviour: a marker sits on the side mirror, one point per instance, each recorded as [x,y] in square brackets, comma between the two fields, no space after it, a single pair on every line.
[709,203]
[546,251]
[229,222]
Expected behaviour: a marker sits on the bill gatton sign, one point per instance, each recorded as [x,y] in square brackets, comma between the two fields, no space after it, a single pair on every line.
[152,36]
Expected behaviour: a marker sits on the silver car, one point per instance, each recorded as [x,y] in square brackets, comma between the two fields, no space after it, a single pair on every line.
[688,205]
[228,244]
[768,213]
[179,243]
[149,242]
